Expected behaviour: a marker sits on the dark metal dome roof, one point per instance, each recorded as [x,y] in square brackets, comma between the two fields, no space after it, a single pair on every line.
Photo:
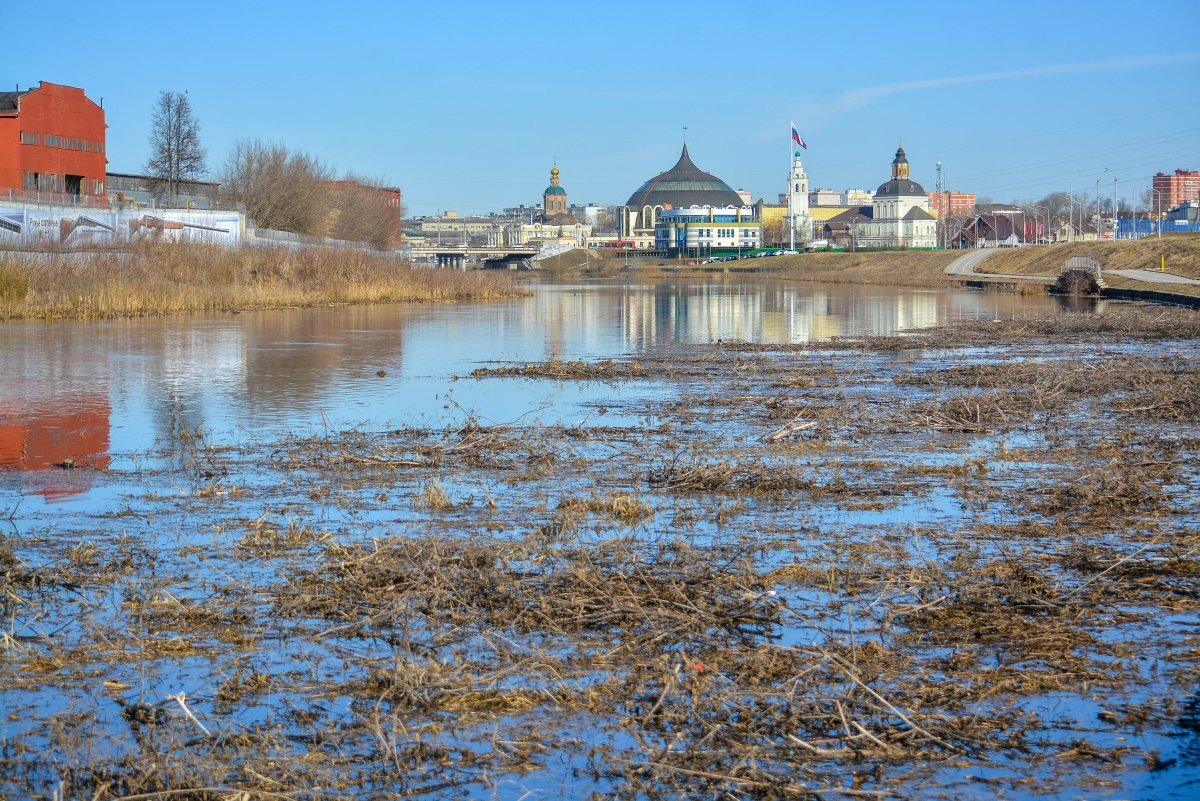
[898,187]
[683,186]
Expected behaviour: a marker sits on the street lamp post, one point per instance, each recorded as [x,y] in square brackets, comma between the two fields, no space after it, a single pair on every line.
[1116,211]
[1158,211]
[1097,209]
[941,206]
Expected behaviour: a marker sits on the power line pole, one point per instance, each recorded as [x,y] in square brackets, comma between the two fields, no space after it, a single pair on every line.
[1116,210]
[941,208]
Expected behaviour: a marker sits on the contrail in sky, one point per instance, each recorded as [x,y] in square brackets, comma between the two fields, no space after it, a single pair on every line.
[856,98]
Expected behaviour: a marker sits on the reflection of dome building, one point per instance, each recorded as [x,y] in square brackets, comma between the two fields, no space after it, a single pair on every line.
[900,215]
[684,186]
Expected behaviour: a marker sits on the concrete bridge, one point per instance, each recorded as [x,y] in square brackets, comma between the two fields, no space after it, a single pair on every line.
[457,256]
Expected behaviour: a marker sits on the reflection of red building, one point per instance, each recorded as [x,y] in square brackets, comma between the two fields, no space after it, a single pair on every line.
[52,141]
[41,439]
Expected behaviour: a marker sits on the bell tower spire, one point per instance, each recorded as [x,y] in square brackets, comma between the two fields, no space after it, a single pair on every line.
[900,163]
[554,199]
[799,218]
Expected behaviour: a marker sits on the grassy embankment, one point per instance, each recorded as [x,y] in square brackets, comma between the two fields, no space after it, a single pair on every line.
[892,268]
[1182,253]
[922,268]
[160,278]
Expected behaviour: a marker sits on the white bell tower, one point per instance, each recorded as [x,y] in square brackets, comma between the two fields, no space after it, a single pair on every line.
[799,220]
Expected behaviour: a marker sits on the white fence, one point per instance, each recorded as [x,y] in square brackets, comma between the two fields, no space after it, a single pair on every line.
[75,226]
[79,227]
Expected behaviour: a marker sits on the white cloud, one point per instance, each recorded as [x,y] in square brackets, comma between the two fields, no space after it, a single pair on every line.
[857,98]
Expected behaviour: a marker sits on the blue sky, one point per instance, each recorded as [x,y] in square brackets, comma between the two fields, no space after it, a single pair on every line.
[464,105]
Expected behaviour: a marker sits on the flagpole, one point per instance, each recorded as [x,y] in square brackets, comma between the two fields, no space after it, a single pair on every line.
[791,204]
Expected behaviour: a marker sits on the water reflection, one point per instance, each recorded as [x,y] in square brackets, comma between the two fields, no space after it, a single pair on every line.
[83,390]
[41,435]
[660,315]
[1082,304]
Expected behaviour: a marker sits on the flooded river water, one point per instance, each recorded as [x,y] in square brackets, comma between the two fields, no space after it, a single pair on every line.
[737,538]
[92,392]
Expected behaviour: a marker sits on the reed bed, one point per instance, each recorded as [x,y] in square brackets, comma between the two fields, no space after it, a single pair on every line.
[163,278]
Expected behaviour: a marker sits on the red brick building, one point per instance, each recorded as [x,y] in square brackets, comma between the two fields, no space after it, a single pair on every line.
[51,142]
[951,204]
[1175,188]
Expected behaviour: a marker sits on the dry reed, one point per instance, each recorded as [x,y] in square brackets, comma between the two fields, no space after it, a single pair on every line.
[160,278]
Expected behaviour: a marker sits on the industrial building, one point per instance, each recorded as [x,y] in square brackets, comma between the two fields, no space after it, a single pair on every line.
[52,143]
[132,190]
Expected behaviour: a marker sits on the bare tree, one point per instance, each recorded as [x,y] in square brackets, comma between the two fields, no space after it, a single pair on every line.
[364,210]
[773,231]
[280,189]
[175,151]
[984,204]
[1155,203]
[1057,204]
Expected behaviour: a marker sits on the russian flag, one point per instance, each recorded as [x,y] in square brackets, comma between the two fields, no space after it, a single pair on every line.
[796,137]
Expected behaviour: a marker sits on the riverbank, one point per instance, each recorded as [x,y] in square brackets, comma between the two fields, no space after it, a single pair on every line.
[165,278]
[884,268]
[1180,252]
[867,569]
[921,268]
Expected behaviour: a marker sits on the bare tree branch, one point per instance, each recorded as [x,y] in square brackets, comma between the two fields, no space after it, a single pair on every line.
[176,154]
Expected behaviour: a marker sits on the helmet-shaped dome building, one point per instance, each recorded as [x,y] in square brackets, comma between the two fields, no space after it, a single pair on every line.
[684,186]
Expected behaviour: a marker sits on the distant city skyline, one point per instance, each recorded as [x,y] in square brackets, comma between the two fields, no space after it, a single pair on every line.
[466,109]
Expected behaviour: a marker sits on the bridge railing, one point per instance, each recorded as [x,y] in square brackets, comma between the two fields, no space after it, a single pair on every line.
[1087,264]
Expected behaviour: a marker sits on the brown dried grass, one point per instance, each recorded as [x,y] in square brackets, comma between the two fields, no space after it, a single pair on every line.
[163,278]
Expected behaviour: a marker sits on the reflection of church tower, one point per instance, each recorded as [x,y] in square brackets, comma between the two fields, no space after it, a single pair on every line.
[801,222]
[900,164]
[554,199]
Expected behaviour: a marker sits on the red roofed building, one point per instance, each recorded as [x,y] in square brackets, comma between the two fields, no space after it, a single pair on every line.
[51,143]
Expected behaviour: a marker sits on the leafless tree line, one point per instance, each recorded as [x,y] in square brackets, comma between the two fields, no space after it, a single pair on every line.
[283,189]
[290,190]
